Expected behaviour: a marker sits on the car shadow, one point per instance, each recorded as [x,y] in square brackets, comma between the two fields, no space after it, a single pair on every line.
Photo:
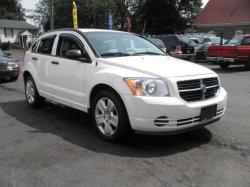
[4,81]
[75,127]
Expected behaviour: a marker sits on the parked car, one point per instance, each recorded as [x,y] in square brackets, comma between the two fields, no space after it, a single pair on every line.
[124,81]
[179,46]
[201,53]
[158,43]
[9,67]
[235,51]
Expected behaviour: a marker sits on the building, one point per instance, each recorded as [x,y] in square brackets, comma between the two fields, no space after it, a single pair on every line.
[227,16]
[19,32]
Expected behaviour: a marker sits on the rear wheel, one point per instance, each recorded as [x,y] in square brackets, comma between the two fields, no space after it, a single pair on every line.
[32,96]
[224,65]
[109,116]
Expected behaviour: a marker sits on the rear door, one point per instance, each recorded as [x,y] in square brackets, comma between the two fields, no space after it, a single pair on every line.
[67,75]
[244,48]
[42,59]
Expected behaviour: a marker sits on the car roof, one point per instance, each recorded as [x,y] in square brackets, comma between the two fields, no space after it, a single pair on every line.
[99,30]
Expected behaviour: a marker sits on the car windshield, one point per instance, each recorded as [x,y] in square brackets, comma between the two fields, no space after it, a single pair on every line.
[117,44]
[2,53]
[234,41]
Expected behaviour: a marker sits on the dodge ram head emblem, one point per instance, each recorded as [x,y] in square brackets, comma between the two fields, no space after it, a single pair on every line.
[203,90]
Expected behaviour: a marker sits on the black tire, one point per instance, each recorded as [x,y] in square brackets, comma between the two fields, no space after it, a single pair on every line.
[247,64]
[37,101]
[123,127]
[224,65]
[14,78]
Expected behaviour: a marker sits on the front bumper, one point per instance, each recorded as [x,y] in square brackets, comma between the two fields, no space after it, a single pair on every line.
[182,56]
[9,73]
[221,59]
[182,115]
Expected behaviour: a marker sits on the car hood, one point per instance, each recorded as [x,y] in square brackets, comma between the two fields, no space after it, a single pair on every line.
[7,59]
[160,66]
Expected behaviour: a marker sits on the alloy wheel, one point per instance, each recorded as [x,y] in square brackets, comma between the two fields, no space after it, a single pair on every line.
[106,116]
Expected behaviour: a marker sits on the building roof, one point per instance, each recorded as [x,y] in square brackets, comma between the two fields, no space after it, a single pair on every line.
[224,12]
[5,23]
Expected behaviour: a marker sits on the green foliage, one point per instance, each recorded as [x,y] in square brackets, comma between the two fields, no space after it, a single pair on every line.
[157,16]
[166,16]
[11,9]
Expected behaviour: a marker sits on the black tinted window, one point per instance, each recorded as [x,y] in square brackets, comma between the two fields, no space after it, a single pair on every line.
[170,41]
[46,45]
[246,41]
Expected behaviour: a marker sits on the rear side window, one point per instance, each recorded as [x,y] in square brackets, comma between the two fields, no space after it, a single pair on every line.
[46,45]
[170,41]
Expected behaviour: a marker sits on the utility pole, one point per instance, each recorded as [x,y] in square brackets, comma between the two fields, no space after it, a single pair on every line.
[51,13]
[94,14]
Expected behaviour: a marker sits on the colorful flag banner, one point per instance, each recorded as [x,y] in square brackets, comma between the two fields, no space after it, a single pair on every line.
[129,24]
[74,14]
[110,22]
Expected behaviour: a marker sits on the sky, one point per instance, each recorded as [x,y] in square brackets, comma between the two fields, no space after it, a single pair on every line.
[204,2]
[30,4]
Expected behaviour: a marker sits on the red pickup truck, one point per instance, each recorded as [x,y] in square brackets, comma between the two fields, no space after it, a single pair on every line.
[234,51]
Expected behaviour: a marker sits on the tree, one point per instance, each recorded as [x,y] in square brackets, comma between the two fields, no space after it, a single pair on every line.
[11,9]
[166,16]
[91,13]
[157,16]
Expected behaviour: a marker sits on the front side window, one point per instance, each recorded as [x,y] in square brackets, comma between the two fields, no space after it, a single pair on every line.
[46,45]
[65,44]
[2,53]
[116,44]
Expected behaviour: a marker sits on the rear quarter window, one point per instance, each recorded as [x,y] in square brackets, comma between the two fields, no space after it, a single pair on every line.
[34,46]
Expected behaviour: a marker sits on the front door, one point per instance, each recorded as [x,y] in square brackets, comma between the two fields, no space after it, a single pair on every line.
[67,75]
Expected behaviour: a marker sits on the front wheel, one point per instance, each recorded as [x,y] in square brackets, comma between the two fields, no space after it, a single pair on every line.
[247,64]
[109,116]
[32,96]
[224,65]
[14,78]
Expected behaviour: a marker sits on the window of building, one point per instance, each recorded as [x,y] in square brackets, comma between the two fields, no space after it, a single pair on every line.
[8,32]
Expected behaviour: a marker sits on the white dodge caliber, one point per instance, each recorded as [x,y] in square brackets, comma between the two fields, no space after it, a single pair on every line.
[123,81]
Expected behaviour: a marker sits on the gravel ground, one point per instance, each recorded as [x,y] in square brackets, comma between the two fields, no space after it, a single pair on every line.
[57,146]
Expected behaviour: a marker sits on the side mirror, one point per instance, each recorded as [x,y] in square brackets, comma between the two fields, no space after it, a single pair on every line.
[168,49]
[73,54]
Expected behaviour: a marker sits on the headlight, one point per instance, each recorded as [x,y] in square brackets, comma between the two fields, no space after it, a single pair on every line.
[12,64]
[147,87]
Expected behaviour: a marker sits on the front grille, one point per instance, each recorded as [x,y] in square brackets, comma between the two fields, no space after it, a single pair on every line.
[189,121]
[3,66]
[198,89]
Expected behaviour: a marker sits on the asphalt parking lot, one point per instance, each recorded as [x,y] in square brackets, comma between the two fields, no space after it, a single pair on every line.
[57,146]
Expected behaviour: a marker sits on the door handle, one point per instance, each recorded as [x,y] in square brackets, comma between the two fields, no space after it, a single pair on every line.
[55,62]
[34,58]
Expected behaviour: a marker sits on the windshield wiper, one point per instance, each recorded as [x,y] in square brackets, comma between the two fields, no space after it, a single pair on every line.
[115,54]
[147,53]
